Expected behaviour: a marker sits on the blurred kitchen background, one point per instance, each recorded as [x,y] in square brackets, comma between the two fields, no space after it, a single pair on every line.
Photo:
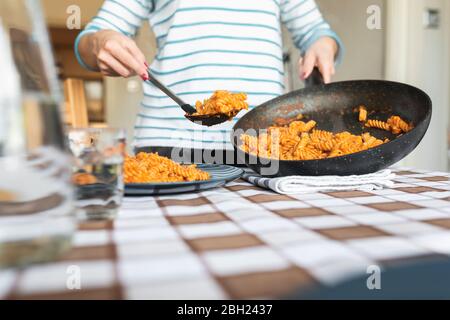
[412,46]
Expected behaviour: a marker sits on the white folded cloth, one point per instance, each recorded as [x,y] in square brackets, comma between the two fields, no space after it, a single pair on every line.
[306,184]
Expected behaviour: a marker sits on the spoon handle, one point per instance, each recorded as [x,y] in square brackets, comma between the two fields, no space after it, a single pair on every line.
[315,79]
[169,93]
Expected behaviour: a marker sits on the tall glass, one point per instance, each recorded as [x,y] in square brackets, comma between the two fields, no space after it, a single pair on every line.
[97,171]
[36,197]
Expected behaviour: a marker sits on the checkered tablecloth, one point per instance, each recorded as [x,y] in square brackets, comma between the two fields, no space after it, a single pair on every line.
[242,241]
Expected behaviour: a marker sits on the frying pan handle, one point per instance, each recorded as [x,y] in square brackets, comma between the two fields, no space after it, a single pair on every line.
[315,79]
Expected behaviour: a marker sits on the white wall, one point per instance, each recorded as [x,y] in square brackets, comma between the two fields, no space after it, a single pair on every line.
[421,58]
[364,58]
[364,48]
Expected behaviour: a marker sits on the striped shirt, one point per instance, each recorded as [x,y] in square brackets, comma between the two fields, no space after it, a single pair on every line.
[206,45]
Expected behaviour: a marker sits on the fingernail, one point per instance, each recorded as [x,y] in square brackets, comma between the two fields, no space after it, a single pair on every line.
[144,76]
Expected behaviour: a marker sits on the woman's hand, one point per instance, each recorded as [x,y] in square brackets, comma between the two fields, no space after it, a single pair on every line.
[114,54]
[321,54]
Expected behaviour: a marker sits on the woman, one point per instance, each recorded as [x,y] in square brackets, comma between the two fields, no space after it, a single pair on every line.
[203,46]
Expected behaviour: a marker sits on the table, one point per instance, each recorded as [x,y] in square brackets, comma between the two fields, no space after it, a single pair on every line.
[242,241]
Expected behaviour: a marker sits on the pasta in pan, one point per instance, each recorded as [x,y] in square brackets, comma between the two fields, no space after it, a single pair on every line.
[378,125]
[302,141]
[398,125]
[151,167]
[362,114]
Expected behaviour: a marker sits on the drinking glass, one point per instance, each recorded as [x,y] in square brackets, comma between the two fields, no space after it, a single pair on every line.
[37,217]
[97,171]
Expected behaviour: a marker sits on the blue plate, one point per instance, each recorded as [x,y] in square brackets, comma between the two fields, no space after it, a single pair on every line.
[220,176]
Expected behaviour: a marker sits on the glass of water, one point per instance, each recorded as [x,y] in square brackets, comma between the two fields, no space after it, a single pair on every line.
[98,171]
[37,218]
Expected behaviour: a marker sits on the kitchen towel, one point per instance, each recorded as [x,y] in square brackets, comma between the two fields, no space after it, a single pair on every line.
[307,184]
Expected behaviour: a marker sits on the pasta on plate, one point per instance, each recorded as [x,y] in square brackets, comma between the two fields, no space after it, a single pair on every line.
[153,168]
[222,102]
[301,140]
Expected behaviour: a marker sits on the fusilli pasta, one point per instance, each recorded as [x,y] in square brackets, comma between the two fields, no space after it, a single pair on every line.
[301,141]
[378,125]
[151,167]
[398,125]
[362,114]
[222,102]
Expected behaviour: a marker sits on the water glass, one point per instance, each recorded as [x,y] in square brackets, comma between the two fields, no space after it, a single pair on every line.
[97,170]
[37,218]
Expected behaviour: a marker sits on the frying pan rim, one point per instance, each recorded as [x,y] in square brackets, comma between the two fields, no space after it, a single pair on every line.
[323,86]
[428,114]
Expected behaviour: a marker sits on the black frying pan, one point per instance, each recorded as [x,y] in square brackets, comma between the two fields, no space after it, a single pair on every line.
[332,107]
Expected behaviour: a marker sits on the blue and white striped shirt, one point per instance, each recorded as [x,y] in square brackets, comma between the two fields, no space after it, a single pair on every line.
[206,45]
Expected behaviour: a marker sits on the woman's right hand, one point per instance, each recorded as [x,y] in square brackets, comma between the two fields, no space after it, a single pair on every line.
[117,55]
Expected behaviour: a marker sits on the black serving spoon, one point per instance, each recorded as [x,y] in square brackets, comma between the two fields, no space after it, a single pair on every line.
[204,120]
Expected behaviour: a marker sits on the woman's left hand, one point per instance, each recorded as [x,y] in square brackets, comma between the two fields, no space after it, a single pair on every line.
[321,54]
